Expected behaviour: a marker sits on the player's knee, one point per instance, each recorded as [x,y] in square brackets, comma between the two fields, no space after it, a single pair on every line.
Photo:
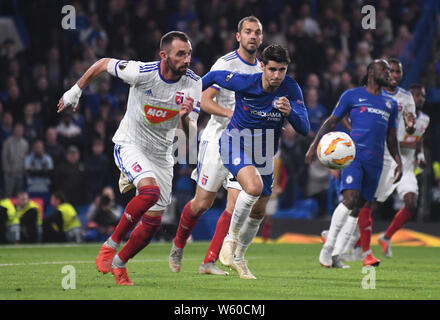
[200,206]
[149,195]
[349,202]
[410,203]
[254,189]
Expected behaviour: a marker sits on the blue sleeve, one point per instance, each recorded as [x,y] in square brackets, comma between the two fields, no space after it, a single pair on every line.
[225,79]
[343,106]
[393,122]
[298,116]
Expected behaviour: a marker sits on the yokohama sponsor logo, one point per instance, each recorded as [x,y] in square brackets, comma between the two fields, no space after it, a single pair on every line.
[156,115]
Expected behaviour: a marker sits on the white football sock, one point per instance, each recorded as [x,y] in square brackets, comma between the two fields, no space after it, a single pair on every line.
[247,235]
[338,220]
[353,239]
[243,207]
[345,234]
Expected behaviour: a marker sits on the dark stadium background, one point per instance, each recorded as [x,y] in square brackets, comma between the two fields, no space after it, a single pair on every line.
[47,60]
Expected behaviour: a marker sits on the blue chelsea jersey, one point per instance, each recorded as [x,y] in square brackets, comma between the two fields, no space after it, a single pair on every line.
[371,116]
[255,108]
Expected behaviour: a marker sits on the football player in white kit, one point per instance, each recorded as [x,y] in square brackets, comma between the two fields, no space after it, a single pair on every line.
[406,120]
[210,173]
[411,149]
[162,94]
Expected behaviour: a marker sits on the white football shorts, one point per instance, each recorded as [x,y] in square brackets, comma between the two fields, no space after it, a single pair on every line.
[408,183]
[210,173]
[135,164]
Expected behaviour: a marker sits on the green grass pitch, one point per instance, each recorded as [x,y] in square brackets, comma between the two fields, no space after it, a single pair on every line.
[283,271]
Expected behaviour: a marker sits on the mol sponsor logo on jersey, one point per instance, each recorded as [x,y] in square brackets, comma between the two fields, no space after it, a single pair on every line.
[156,115]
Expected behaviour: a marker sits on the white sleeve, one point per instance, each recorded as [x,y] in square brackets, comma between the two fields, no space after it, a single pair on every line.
[410,105]
[128,71]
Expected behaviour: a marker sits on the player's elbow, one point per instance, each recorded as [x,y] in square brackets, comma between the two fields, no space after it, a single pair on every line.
[304,129]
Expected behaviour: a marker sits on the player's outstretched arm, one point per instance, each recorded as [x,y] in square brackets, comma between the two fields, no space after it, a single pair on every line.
[393,147]
[210,106]
[71,97]
[328,125]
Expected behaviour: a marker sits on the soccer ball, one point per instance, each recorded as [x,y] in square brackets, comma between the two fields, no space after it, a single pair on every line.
[336,150]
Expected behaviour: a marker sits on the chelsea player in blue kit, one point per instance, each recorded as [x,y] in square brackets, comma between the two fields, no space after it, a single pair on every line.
[373,120]
[248,145]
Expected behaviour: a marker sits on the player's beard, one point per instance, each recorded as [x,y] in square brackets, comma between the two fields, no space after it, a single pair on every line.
[251,51]
[176,71]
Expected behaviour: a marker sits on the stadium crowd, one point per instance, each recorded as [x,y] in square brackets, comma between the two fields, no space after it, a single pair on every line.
[72,153]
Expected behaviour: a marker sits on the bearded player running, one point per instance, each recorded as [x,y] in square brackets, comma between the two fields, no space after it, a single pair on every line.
[162,94]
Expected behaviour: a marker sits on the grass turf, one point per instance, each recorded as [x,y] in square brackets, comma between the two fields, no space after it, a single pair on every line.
[283,271]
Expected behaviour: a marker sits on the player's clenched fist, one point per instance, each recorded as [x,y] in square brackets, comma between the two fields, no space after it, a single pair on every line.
[186,107]
[283,104]
[70,98]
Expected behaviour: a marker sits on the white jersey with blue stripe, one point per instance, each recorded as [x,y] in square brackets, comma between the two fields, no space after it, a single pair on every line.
[226,98]
[153,105]
[404,101]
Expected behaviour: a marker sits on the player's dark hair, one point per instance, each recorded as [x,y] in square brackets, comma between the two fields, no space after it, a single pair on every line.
[250,19]
[416,86]
[170,36]
[370,67]
[275,52]
[394,60]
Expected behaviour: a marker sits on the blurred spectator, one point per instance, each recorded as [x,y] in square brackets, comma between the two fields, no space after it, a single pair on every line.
[68,131]
[47,99]
[69,177]
[7,52]
[331,83]
[97,167]
[6,127]
[194,33]
[180,19]
[362,54]
[39,169]
[102,216]
[30,215]
[33,125]
[317,113]
[207,49]
[14,151]
[313,82]
[54,69]
[311,26]
[344,40]
[212,11]
[14,102]
[402,39]
[272,34]
[93,100]
[62,224]
[53,148]
[384,27]
[93,33]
